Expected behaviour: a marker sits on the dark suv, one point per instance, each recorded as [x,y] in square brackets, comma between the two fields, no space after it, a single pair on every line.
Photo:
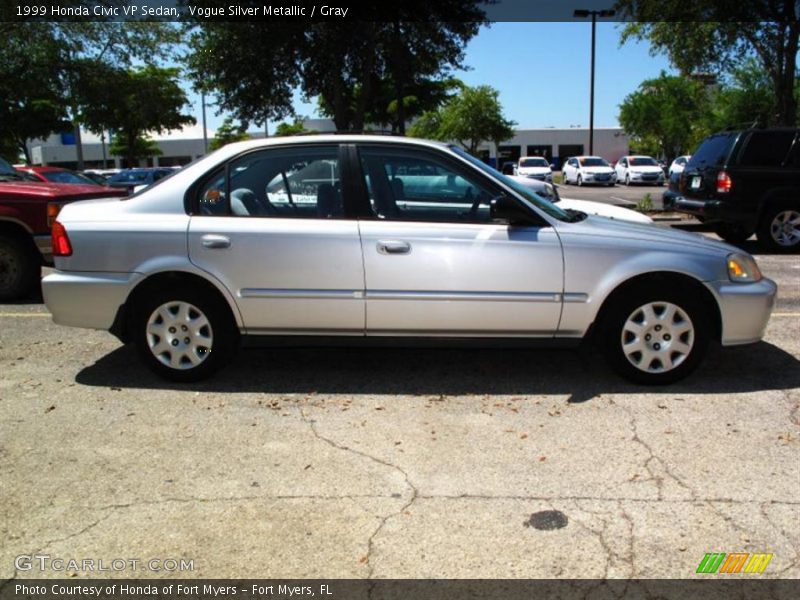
[745,182]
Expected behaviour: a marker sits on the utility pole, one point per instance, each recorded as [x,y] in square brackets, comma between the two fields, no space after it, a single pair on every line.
[583,13]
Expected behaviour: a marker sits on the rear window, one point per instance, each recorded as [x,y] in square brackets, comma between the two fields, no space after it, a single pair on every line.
[766,149]
[713,151]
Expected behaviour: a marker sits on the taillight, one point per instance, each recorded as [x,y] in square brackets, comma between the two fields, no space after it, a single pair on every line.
[724,183]
[53,208]
[61,245]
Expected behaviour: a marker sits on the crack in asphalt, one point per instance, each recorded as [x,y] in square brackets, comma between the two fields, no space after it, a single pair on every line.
[654,458]
[384,520]
[70,536]
[796,562]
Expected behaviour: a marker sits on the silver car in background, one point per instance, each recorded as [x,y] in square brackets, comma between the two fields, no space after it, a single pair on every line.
[375,240]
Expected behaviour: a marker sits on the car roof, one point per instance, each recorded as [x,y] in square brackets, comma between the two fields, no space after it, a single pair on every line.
[343,138]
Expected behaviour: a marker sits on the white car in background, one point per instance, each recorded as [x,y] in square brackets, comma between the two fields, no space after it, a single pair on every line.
[639,169]
[534,167]
[588,169]
[601,209]
[679,164]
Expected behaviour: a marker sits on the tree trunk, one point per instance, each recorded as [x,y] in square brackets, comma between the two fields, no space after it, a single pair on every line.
[784,83]
[366,83]
[78,145]
[398,76]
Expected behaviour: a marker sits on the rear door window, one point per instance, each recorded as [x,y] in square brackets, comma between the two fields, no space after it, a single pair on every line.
[766,149]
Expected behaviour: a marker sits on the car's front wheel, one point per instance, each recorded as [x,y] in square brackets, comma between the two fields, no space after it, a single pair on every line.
[580,181]
[184,335]
[779,230]
[655,338]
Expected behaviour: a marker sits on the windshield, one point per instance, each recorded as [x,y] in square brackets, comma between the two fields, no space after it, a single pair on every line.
[533,162]
[67,177]
[532,197]
[9,173]
[643,161]
[593,161]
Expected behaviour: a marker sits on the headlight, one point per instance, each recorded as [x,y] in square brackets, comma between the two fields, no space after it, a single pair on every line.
[743,268]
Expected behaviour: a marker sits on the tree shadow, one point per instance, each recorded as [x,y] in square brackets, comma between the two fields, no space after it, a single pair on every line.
[579,374]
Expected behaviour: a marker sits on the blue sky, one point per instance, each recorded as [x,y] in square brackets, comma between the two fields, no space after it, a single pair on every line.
[542,73]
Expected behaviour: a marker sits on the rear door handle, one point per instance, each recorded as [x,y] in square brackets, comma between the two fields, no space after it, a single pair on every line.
[216,241]
[394,247]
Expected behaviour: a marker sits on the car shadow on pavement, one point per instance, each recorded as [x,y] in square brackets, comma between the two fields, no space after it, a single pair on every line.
[438,372]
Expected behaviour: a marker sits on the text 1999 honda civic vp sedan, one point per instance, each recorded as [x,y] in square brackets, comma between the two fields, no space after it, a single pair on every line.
[369,239]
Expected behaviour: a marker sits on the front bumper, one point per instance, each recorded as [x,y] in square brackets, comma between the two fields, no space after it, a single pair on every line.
[90,300]
[745,309]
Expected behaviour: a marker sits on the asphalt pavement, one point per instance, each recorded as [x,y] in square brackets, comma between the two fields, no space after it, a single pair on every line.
[397,463]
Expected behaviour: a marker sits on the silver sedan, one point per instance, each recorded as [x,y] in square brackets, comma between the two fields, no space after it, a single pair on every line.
[375,240]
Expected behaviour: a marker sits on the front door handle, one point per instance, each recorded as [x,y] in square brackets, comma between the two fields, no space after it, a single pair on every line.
[216,241]
[394,247]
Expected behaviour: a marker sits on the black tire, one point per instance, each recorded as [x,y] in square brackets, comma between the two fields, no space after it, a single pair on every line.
[20,268]
[688,346]
[627,179]
[222,329]
[732,233]
[768,232]
[579,181]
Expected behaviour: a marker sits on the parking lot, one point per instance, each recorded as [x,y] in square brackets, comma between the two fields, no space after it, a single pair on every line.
[621,195]
[399,463]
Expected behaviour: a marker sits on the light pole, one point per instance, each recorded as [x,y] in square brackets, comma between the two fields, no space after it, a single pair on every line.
[205,131]
[583,13]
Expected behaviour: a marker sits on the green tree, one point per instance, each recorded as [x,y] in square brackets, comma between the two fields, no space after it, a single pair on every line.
[470,118]
[134,149]
[666,115]
[713,35]
[138,101]
[254,67]
[31,101]
[289,129]
[227,133]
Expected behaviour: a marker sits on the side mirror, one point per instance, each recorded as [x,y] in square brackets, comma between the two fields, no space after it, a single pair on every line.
[506,208]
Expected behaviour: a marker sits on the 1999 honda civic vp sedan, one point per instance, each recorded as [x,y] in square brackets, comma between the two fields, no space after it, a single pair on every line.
[375,240]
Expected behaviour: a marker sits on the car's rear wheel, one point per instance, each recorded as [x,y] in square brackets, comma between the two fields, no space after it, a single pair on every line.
[184,335]
[656,337]
[20,268]
[779,230]
[732,233]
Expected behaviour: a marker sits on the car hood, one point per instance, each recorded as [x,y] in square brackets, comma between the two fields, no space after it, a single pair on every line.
[604,210]
[534,170]
[653,235]
[597,169]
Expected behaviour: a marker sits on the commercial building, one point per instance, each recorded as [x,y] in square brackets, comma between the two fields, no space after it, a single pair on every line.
[184,146]
[558,144]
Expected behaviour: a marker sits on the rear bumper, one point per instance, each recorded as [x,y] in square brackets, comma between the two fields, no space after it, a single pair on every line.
[745,309]
[89,300]
[711,210]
